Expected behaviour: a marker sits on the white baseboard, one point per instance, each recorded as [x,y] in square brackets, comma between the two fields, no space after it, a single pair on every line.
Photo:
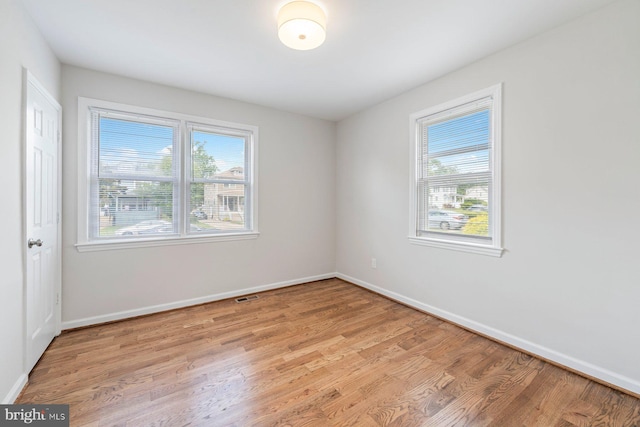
[578,365]
[15,390]
[88,321]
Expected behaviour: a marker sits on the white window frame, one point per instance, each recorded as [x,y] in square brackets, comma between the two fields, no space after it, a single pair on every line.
[453,242]
[85,243]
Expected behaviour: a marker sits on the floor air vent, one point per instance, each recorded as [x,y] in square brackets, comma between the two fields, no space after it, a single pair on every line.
[245,299]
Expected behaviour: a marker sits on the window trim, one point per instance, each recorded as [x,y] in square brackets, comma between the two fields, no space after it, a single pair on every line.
[495,247]
[84,162]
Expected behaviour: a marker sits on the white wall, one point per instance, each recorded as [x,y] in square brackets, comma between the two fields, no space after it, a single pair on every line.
[296,172]
[568,286]
[21,45]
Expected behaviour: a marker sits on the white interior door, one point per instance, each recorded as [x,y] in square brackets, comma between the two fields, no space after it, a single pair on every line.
[42,198]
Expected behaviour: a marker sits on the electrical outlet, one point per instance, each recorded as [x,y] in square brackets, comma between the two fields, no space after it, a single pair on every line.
[374,263]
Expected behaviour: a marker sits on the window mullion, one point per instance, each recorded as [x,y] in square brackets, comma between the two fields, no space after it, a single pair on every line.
[219,181]
[458,178]
[124,177]
[185,176]
[470,149]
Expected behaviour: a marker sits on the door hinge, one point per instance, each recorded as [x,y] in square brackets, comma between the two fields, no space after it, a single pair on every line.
[57,217]
[58,298]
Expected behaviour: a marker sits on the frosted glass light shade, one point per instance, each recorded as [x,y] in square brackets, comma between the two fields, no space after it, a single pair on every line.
[301,25]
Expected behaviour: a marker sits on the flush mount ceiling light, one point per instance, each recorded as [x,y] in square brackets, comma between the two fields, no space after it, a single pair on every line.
[301,25]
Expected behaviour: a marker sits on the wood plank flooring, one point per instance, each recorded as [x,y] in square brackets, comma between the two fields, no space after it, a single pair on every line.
[320,354]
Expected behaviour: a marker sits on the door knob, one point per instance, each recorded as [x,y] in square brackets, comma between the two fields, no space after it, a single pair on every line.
[32,242]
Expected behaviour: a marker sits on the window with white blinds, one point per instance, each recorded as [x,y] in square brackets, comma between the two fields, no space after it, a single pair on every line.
[157,176]
[456,184]
[136,175]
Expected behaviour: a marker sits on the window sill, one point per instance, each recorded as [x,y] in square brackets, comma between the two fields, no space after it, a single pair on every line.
[167,241]
[457,246]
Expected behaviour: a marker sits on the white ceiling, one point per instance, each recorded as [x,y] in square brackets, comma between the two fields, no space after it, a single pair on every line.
[375,49]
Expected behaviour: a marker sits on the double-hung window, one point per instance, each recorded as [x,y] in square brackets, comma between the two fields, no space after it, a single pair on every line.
[455,185]
[150,177]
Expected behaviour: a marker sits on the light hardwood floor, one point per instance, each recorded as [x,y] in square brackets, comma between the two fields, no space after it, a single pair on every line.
[319,354]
